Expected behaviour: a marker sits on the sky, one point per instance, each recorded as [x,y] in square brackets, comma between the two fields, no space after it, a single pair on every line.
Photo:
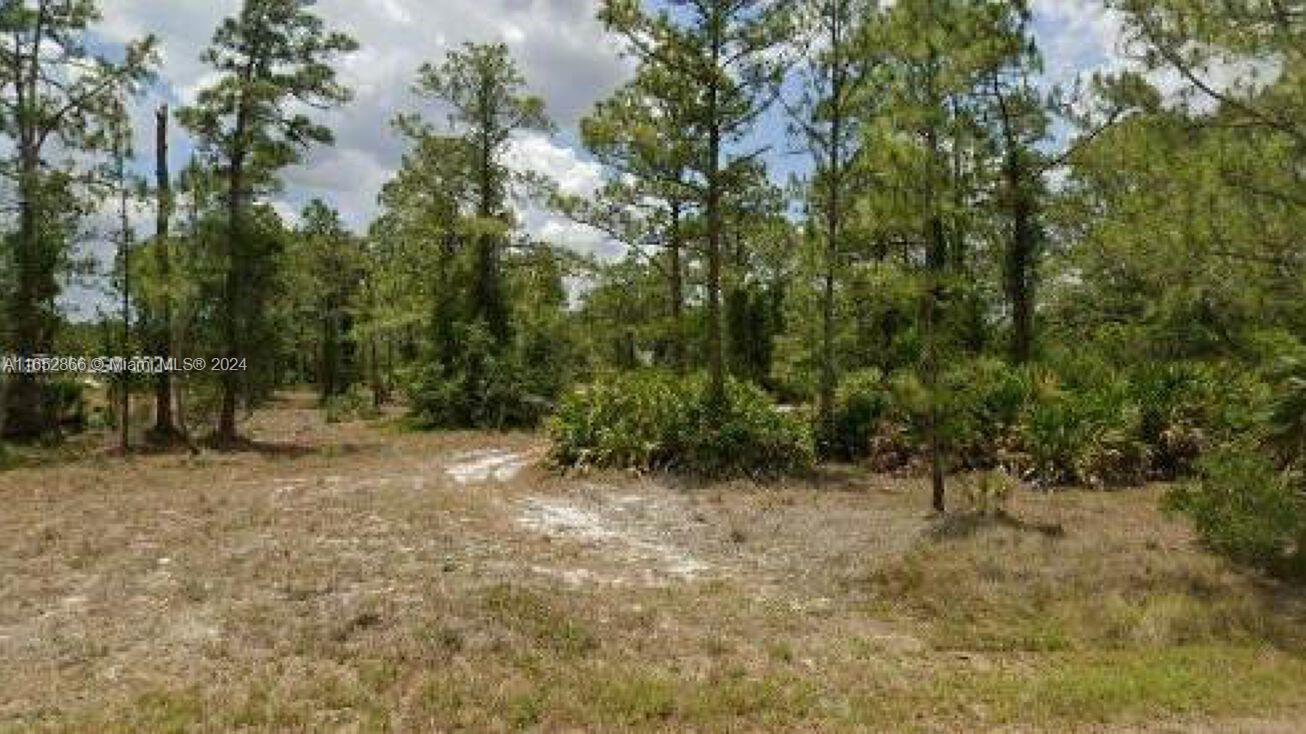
[564,53]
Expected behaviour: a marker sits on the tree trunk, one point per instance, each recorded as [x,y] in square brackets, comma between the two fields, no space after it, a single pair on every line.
[326,387]
[165,429]
[26,417]
[715,355]
[125,255]
[936,264]
[490,304]
[379,397]
[677,284]
[933,298]
[1021,249]
[1020,260]
[1020,278]
[230,385]
[834,224]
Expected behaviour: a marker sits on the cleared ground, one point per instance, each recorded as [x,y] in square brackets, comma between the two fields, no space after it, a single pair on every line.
[360,578]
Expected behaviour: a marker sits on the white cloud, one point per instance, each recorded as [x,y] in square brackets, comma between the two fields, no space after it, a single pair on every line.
[1083,36]
[1076,36]
[561,48]
[538,153]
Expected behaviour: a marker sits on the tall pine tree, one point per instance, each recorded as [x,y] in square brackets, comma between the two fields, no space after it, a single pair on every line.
[272,57]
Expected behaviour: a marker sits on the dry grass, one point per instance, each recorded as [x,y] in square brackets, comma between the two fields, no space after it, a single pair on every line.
[340,579]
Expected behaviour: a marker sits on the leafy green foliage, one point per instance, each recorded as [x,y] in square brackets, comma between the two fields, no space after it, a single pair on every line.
[1287,421]
[63,99]
[1096,426]
[989,494]
[1247,509]
[489,103]
[352,404]
[983,402]
[657,421]
[271,61]
[482,386]
[66,400]
[1088,437]
[861,404]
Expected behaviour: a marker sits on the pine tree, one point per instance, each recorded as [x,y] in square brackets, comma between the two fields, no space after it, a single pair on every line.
[717,60]
[332,261]
[649,197]
[827,118]
[938,57]
[47,105]
[489,104]
[272,53]
[1021,124]
[165,429]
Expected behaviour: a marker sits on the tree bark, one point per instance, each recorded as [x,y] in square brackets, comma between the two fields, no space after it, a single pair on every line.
[125,255]
[716,357]
[165,429]
[834,226]
[25,417]
[1019,274]
[1022,247]
[677,284]
[936,264]
[230,385]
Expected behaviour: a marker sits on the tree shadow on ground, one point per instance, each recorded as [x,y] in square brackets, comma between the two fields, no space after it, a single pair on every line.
[968,524]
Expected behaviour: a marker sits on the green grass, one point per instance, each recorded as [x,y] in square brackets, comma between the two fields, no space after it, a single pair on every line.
[1136,686]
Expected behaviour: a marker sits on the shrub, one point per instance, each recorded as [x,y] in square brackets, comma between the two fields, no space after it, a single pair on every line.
[983,403]
[656,421]
[482,386]
[355,404]
[979,407]
[629,421]
[66,401]
[1246,509]
[1077,420]
[1287,414]
[861,404]
[1088,436]
[1173,402]
[748,436]
[988,495]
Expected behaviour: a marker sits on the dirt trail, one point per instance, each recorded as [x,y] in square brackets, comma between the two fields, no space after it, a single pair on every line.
[625,530]
[483,465]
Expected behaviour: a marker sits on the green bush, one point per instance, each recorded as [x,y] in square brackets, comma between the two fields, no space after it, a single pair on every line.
[1087,437]
[483,386]
[1074,420]
[355,404]
[988,494]
[1174,404]
[748,436]
[656,421]
[861,404]
[1247,509]
[66,401]
[1287,410]
[983,403]
[628,421]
